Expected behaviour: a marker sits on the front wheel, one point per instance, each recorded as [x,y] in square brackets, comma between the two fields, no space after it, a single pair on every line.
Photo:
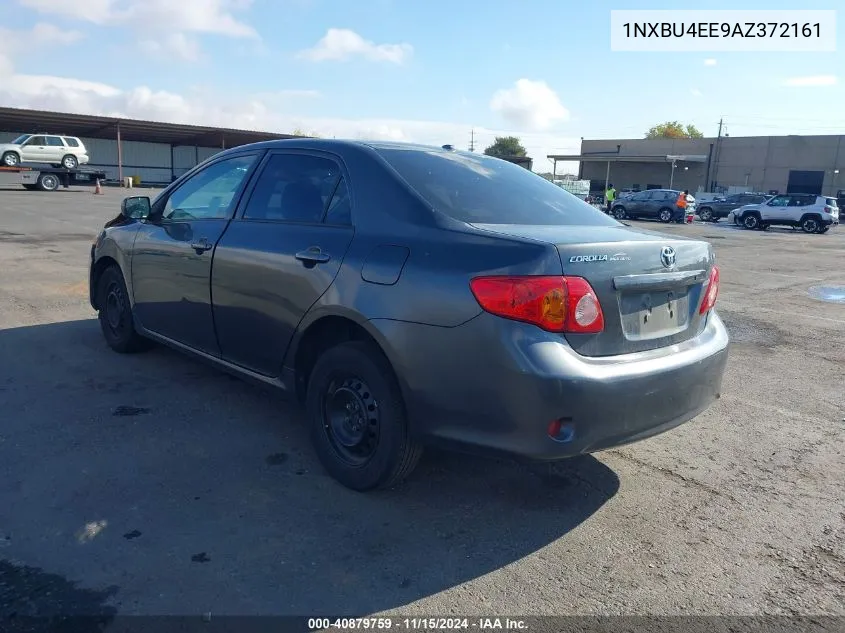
[11,159]
[706,214]
[357,418]
[115,314]
[751,222]
[665,215]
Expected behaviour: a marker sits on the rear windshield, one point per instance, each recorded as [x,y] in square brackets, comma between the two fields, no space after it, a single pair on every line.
[483,190]
[831,202]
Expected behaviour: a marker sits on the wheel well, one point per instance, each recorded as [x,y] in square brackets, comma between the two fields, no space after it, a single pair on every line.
[320,336]
[754,213]
[815,216]
[99,269]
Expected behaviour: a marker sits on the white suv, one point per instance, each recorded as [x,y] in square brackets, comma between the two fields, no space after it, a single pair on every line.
[60,151]
[812,213]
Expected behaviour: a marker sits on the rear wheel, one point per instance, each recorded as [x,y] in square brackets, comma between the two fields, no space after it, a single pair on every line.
[70,162]
[357,418]
[11,159]
[665,215]
[706,214]
[115,314]
[751,221]
[810,224]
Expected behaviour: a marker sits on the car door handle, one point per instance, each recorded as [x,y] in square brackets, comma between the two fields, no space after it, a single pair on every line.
[313,256]
[201,245]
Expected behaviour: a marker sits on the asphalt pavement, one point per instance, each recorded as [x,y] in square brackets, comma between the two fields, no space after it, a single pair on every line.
[152,484]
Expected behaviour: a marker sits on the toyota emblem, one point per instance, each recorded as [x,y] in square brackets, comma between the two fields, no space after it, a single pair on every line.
[667,256]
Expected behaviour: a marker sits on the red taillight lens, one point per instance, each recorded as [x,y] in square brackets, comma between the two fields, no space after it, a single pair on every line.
[711,291]
[556,304]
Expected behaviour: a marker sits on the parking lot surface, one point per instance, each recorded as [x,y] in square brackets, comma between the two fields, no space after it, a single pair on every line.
[152,484]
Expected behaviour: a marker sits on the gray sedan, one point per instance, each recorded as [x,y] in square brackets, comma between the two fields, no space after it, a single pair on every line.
[413,296]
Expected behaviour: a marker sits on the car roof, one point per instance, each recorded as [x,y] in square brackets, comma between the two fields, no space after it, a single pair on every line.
[323,143]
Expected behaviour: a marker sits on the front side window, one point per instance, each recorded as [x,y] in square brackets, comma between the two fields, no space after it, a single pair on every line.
[210,193]
[294,188]
[484,190]
[779,201]
[35,140]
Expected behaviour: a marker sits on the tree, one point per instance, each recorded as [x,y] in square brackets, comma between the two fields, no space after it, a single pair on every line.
[506,146]
[301,132]
[674,129]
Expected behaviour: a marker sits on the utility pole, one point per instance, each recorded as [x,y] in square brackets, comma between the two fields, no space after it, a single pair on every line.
[716,157]
[472,140]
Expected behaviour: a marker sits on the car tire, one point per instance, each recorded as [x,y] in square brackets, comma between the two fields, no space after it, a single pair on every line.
[357,418]
[115,314]
[69,161]
[11,159]
[810,224]
[619,212]
[48,182]
[665,215]
[706,214]
[751,221]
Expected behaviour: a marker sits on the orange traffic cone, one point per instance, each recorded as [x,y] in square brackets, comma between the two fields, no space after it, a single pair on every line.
[98,190]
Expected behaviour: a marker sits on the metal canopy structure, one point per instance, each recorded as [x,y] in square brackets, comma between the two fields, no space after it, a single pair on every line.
[103,127]
[615,157]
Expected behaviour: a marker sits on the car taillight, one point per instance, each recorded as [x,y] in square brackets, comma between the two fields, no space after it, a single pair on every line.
[556,304]
[711,291]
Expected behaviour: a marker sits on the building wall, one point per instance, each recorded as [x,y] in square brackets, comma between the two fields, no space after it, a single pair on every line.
[761,163]
[151,162]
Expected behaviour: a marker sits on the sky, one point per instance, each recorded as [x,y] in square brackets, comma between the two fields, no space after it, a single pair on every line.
[427,71]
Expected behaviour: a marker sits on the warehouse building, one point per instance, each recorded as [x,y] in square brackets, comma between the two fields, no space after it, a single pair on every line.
[154,153]
[783,164]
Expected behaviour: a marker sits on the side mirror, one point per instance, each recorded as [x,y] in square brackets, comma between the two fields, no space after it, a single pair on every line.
[135,208]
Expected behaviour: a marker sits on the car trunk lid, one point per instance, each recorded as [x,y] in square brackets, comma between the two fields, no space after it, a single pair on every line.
[650,285]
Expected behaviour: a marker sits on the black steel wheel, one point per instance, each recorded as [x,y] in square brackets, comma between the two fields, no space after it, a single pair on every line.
[115,314]
[357,418]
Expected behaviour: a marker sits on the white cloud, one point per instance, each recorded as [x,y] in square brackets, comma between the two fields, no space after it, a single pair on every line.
[709,62]
[695,92]
[40,36]
[813,80]
[173,46]
[200,16]
[344,44]
[265,112]
[529,105]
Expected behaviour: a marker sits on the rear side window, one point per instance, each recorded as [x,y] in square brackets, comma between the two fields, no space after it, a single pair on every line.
[296,188]
[54,141]
[71,142]
[484,190]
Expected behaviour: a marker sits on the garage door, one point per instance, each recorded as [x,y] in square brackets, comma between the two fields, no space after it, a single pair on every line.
[805,182]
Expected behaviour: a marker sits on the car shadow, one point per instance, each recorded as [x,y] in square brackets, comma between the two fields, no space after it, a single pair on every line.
[183,490]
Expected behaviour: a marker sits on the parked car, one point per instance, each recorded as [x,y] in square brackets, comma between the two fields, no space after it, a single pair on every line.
[60,151]
[812,213]
[410,295]
[714,210]
[656,204]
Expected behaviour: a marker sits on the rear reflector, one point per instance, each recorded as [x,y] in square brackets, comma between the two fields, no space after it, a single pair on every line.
[711,291]
[556,304]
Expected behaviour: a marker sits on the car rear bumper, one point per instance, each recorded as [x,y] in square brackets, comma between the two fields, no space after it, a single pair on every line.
[497,385]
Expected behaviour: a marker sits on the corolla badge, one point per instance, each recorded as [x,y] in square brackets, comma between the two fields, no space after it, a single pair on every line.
[616,257]
[667,256]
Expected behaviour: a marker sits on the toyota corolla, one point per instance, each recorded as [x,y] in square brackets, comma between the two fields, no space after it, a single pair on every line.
[412,296]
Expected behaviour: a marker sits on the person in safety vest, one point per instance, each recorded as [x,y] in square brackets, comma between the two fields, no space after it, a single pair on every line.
[610,196]
[681,207]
